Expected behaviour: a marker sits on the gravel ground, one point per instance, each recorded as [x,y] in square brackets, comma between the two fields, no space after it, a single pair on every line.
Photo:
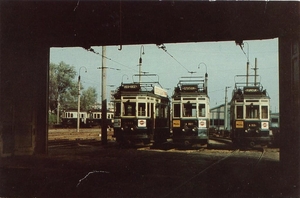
[85,168]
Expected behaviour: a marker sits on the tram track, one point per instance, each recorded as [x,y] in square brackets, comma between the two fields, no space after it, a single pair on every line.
[237,184]
[65,143]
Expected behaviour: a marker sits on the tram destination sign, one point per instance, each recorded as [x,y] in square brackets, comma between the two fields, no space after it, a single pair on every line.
[131,87]
[189,88]
[251,90]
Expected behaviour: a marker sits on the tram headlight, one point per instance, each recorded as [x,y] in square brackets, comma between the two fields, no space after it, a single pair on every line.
[183,130]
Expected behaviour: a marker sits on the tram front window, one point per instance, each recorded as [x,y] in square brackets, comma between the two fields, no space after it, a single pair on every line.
[129,109]
[176,110]
[239,112]
[118,109]
[201,110]
[252,111]
[264,112]
[189,110]
[141,109]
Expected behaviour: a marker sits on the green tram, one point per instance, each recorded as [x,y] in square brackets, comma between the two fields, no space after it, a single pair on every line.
[190,116]
[249,113]
[141,113]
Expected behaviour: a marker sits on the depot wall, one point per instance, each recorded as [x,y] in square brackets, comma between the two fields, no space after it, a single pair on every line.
[289,88]
[24,87]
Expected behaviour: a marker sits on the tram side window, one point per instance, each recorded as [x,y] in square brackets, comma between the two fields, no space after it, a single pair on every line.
[176,110]
[141,109]
[189,110]
[201,110]
[264,112]
[161,111]
[252,111]
[118,109]
[239,112]
[129,109]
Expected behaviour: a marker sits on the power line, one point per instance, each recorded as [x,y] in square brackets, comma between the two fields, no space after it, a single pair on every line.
[92,50]
[163,47]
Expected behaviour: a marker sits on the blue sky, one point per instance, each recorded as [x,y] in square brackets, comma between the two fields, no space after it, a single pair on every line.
[224,60]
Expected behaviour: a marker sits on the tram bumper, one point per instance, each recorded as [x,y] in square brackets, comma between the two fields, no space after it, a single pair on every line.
[190,136]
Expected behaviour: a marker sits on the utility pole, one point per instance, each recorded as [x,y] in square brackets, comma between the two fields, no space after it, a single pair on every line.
[104,99]
[78,102]
[225,109]
[57,113]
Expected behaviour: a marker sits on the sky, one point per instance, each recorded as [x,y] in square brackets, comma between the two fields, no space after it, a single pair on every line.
[222,60]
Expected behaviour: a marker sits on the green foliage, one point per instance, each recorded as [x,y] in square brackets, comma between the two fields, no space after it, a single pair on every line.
[52,118]
[88,98]
[63,87]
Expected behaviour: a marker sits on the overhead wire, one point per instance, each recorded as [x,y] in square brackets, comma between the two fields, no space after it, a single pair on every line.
[163,47]
[92,50]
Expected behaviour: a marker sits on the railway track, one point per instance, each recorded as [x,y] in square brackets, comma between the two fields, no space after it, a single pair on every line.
[65,143]
[244,163]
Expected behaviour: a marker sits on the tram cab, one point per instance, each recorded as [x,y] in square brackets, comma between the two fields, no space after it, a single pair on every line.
[141,114]
[190,116]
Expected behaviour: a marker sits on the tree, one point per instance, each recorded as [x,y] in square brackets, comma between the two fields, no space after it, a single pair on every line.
[63,88]
[88,98]
[61,83]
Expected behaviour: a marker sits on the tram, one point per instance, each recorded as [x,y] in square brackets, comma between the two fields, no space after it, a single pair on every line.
[141,113]
[190,116]
[69,118]
[94,118]
[249,112]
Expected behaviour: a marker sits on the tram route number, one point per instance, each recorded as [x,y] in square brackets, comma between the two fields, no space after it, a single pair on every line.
[239,124]
[176,123]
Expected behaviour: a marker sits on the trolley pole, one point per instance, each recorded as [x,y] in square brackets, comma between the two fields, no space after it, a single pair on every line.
[255,72]
[140,63]
[104,99]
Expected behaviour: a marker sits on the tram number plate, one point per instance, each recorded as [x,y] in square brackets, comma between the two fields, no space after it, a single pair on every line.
[176,123]
[239,124]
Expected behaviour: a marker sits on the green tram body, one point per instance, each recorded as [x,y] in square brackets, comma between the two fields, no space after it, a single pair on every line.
[141,115]
[190,115]
[249,115]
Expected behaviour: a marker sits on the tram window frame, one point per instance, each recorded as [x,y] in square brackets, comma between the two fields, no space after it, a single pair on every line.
[239,112]
[148,109]
[118,108]
[176,110]
[142,112]
[161,111]
[201,111]
[252,111]
[189,109]
[264,112]
[133,110]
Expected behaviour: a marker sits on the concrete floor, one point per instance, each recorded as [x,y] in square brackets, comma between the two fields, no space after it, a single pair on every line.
[84,169]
